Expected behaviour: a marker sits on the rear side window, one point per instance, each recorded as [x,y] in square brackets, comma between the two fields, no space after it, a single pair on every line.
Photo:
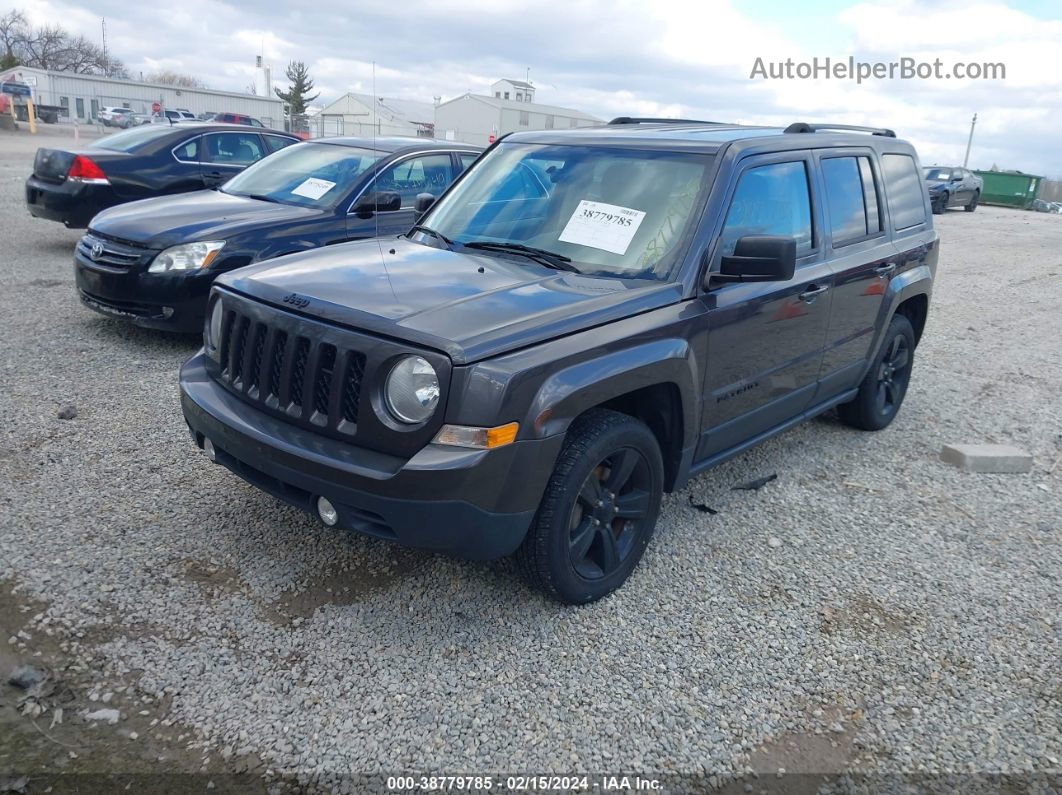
[188,152]
[771,200]
[904,190]
[851,198]
[467,159]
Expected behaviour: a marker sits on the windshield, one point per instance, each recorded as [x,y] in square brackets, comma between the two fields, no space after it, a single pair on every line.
[131,140]
[612,211]
[934,174]
[307,174]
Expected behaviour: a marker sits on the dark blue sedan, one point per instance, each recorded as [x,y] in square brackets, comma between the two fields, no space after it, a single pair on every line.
[152,261]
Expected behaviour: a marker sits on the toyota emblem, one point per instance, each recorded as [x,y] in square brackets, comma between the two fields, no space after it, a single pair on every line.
[97,250]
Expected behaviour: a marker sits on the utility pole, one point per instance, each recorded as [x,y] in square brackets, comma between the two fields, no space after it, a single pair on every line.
[106,60]
[969,141]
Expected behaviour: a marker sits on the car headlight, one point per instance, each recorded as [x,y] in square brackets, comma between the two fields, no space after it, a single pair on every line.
[213,329]
[412,390]
[186,257]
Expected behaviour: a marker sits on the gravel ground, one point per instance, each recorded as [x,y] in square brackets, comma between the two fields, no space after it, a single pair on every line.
[870,610]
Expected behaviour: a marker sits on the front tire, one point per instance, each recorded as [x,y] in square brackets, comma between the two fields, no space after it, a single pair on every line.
[598,511]
[882,391]
[973,202]
[940,204]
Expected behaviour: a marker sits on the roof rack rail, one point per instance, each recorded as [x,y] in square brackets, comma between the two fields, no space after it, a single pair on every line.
[640,120]
[804,127]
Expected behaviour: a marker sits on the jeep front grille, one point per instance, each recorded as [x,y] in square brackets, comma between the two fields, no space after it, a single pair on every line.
[290,374]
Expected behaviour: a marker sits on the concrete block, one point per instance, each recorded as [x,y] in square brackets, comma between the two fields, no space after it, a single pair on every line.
[987,458]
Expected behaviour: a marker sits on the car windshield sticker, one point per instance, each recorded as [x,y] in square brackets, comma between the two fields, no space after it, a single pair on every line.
[314,188]
[603,226]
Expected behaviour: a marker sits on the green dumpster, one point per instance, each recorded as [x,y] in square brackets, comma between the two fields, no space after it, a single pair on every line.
[1009,188]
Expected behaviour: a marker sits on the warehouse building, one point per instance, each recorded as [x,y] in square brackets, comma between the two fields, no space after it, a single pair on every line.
[360,114]
[479,119]
[82,96]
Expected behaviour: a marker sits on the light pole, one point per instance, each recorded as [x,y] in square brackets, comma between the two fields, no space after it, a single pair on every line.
[969,141]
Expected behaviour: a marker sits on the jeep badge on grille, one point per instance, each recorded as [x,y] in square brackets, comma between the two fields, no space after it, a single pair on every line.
[296,300]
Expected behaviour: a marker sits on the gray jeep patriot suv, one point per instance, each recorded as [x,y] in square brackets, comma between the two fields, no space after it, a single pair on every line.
[584,320]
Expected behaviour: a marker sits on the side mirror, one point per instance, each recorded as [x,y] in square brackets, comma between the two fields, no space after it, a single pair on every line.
[423,203]
[759,258]
[379,202]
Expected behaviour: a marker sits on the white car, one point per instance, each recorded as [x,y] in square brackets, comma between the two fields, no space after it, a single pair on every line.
[115,117]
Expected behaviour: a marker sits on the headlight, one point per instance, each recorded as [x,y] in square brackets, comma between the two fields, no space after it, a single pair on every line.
[213,329]
[412,390]
[187,257]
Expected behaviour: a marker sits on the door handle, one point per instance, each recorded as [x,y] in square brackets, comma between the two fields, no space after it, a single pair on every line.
[812,292]
[886,270]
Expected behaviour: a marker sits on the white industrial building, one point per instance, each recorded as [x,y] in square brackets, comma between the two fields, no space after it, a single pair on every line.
[360,114]
[83,95]
[479,119]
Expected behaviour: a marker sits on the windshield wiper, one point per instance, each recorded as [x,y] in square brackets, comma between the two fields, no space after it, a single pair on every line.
[550,259]
[429,231]
[261,197]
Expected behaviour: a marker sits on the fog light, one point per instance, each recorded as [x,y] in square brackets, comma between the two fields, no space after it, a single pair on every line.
[327,511]
[208,448]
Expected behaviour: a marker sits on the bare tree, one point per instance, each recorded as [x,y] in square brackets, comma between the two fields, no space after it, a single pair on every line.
[171,78]
[52,47]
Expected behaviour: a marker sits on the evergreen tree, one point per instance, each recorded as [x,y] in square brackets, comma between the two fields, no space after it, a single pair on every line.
[301,85]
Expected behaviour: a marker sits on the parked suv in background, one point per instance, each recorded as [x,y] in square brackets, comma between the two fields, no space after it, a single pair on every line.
[952,186]
[115,117]
[584,320]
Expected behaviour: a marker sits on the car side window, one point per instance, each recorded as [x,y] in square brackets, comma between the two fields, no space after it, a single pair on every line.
[420,174]
[467,159]
[904,190]
[871,191]
[188,152]
[277,142]
[237,149]
[770,200]
[851,198]
[254,122]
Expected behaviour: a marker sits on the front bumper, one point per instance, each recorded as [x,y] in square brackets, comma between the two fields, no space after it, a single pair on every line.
[71,203]
[474,504]
[167,301]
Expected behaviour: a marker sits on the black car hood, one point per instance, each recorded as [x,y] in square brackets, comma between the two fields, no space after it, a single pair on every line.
[185,217]
[469,306]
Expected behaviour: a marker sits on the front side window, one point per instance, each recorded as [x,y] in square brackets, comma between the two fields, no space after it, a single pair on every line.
[277,142]
[421,174]
[904,190]
[771,200]
[612,211]
[308,174]
[845,204]
[235,149]
[466,159]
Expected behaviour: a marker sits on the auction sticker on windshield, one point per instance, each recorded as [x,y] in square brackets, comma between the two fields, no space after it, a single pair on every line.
[603,226]
[314,188]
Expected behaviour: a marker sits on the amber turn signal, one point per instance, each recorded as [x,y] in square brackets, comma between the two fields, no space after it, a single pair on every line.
[480,438]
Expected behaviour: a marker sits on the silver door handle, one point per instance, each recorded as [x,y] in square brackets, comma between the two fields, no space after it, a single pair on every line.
[886,270]
[809,294]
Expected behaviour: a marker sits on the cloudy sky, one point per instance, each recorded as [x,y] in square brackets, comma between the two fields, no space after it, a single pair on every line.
[628,57]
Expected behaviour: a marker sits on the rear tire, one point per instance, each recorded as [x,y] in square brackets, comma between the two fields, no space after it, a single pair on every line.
[884,387]
[598,511]
[973,202]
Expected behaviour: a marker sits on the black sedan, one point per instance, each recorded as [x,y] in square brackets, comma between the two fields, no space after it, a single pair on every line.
[152,261]
[71,186]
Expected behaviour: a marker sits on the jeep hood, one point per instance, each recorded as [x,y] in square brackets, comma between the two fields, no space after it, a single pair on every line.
[470,306]
[166,221]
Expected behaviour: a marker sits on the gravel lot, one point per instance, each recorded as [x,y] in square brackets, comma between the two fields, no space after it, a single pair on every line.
[871,610]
